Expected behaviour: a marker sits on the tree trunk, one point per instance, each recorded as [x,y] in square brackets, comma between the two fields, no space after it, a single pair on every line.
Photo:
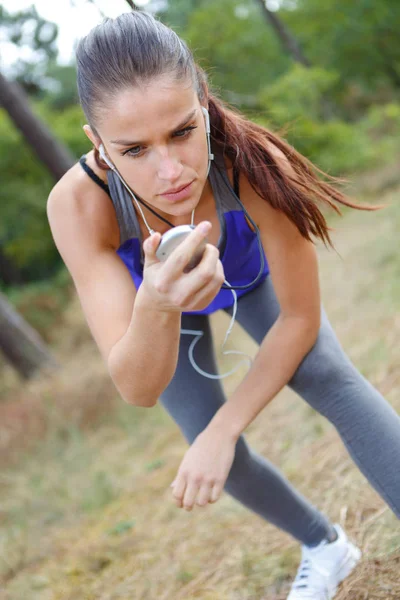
[291,45]
[288,41]
[133,5]
[21,344]
[54,155]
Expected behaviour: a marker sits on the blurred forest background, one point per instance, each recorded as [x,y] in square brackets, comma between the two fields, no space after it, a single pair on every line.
[332,73]
[328,75]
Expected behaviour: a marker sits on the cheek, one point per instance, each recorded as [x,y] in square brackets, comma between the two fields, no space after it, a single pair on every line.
[138,179]
[197,158]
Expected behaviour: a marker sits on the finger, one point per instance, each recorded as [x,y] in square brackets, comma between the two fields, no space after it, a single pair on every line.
[179,491]
[204,273]
[204,494]
[181,256]
[150,246]
[191,492]
[216,492]
[206,266]
[208,292]
[203,297]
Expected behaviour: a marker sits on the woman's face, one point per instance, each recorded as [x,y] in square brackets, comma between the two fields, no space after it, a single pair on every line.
[156,137]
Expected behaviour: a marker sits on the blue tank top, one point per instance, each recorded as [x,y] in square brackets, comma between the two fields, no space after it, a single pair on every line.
[238,244]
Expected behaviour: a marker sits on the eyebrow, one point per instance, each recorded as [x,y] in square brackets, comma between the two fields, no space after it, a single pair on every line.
[181,124]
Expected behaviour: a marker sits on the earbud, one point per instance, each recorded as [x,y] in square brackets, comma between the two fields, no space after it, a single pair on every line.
[208,131]
[105,158]
[206,118]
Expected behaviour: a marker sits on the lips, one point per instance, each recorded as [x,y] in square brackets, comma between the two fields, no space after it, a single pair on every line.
[176,190]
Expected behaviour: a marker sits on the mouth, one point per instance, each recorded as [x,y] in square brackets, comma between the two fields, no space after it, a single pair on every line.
[178,193]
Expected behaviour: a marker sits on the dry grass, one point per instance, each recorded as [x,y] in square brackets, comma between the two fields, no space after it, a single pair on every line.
[88,513]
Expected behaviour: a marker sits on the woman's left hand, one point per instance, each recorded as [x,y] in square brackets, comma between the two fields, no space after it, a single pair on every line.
[204,469]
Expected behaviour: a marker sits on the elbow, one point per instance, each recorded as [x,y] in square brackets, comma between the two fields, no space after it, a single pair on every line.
[311,332]
[136,397]
[139,401]
[133,395]
[307,328]
[135,389]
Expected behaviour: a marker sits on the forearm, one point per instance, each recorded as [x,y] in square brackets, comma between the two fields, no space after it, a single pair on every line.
[144,360]
[280,353]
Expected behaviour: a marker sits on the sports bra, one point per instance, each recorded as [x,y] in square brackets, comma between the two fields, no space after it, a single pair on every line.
[238,244]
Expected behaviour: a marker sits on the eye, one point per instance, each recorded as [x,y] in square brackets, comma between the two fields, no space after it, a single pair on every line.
[135,151]
[185,132]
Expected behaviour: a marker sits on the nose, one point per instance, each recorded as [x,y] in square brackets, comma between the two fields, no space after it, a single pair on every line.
[169,167]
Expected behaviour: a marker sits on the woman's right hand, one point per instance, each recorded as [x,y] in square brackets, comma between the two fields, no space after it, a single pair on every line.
[167,285]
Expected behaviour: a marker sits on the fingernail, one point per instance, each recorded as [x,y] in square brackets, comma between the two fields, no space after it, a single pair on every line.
[205,227]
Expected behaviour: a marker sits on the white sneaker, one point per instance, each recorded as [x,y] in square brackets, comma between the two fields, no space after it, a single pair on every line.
[323,567]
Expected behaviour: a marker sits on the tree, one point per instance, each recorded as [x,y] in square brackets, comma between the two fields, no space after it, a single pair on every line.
[288,40]
[359,40]
[21,344]
[230,42]
[53,153]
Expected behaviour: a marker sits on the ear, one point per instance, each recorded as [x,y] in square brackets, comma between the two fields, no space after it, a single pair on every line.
[96,141]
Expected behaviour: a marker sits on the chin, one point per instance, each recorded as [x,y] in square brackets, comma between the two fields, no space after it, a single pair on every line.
[182,208]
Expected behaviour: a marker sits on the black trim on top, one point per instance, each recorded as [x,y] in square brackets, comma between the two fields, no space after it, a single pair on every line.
[236,181]
[92,175]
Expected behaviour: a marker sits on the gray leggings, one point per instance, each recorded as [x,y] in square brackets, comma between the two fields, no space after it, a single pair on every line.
[328,381]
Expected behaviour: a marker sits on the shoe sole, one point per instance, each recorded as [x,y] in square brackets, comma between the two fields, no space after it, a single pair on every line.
[350,561]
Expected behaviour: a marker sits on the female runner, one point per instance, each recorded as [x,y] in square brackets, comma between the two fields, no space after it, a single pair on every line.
[254,202]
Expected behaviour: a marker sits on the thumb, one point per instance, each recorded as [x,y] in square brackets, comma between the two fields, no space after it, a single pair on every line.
[150,246]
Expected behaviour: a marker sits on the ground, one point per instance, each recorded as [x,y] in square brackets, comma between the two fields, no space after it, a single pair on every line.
[87,512]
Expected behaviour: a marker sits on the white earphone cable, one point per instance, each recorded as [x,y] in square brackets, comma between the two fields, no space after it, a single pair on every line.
[199,334]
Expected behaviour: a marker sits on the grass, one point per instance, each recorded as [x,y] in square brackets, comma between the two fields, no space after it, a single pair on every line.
[86,510]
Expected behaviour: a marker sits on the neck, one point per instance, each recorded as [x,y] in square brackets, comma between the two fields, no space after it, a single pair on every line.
[184,219]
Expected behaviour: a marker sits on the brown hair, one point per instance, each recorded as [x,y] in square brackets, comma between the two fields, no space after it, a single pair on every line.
[136,47]
[295,191]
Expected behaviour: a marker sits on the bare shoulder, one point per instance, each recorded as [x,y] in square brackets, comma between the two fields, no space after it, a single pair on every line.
[77,203]
[280,235]
[85,230]
[262,210]
[292,259]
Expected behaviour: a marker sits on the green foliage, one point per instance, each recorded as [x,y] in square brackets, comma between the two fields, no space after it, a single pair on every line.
[296,101]
[359,40]
[299,93]
[24,231]
[232,42]
[63,79]
[342,113]
[382,121]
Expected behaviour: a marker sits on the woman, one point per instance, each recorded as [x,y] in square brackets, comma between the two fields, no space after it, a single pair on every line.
[147,105]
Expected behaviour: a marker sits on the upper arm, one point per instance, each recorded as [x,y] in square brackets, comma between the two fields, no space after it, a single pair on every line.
[85,231]
[292,259]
